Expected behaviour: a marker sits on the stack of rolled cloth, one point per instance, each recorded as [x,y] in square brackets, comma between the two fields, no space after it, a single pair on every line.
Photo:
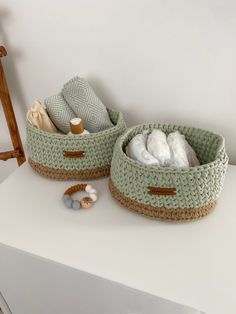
[77,99]
[161,150]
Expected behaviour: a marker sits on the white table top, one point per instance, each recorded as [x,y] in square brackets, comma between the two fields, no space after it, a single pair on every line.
[190,263]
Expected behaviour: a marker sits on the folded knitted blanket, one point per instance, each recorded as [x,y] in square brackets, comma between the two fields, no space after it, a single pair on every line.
[59,112]
[86,105]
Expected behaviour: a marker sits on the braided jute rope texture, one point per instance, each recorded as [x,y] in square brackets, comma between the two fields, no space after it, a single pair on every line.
[48,152]
[75,188]
[176,214]
[61,174]
[197,188]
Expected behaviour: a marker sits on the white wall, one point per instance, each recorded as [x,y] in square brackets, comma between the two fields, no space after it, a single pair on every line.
[156,60]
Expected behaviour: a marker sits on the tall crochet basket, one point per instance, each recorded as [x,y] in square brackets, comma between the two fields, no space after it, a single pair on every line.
[67,157]
[170,193]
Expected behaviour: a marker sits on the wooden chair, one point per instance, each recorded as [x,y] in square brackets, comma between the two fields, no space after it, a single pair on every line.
[18,151]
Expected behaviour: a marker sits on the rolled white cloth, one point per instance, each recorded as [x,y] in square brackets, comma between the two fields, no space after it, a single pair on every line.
[38,117]
[157,146]
[137,150]
[182,154]
[192,157]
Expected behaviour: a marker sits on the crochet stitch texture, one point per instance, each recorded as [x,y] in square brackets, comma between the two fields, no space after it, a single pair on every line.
[47,151]
[197,188]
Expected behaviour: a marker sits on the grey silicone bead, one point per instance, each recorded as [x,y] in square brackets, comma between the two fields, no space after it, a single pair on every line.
[68,202]
[76,204]
[66,197]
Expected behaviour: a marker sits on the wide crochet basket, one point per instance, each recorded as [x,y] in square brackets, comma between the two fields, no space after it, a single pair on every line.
[67,157]
[170,193]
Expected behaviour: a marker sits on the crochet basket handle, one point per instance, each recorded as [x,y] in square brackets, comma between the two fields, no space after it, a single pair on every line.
[153,190]
[79,154]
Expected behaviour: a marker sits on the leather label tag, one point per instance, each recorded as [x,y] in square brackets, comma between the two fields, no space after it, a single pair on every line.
[153,190]
[79,154]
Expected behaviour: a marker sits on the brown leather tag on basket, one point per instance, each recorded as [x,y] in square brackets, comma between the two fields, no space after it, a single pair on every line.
[153,190]
[78,154]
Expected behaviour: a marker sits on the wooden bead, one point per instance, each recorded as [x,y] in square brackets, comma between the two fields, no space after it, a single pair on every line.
[86,202]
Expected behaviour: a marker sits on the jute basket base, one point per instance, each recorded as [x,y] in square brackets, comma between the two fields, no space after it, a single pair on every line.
[173,214]
[61,174]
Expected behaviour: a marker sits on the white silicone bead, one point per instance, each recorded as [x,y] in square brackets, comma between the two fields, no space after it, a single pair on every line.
[88,188]
[93,196]
[92,191]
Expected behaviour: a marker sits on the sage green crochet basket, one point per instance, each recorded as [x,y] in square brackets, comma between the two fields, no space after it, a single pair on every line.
[67,157]
[170,193]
